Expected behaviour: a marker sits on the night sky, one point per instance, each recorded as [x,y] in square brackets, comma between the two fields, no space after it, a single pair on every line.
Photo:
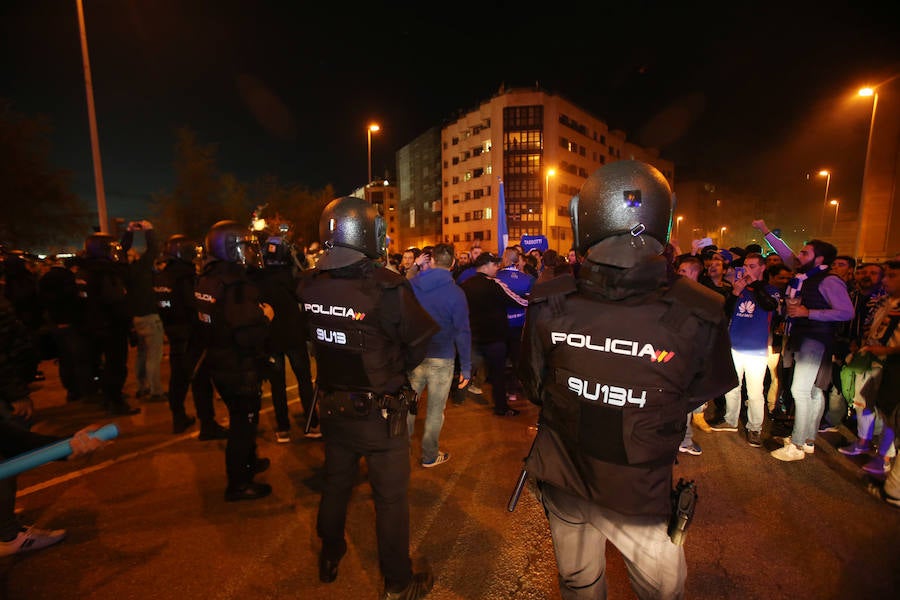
[754,94]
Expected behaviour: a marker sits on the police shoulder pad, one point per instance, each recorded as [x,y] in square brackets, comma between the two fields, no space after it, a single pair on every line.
[699,299]
[562,285]
[387,279]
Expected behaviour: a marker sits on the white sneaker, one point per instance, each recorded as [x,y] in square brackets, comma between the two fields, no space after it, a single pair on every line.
[807,447]
[442,457]
[31,538]
[283,437]
[474,389]
[789,453]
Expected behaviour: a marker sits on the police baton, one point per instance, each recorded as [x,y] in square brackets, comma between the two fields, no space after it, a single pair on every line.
[520,482]
[312,408]
[517,491]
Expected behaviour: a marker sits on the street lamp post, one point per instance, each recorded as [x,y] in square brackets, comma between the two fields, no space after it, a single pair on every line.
[371,128]
[836,204]
[678,221]
[546,215]
[722,231]
[92,122]
[827,176]
[867,91]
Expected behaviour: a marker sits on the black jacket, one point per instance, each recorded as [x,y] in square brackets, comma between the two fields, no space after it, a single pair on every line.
[488,299]
[141,298]
[278,288]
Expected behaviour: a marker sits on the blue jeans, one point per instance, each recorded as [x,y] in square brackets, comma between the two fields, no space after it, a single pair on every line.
[436,374]
[809,399]
[148,363]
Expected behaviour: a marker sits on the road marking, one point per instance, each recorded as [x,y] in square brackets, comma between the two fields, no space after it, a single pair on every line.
[107,463]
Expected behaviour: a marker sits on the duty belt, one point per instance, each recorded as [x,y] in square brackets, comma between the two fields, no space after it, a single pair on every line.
[357,404]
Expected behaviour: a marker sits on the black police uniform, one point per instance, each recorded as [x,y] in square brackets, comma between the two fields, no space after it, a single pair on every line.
[368,330]
[234,330]
[616,358]
[174,288]
[59,295]
[104,328]
[278,288]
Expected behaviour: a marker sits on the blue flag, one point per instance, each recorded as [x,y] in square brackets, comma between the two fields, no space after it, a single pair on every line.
[502,231]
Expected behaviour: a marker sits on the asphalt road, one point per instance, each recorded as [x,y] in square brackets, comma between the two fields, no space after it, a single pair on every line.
[146,518]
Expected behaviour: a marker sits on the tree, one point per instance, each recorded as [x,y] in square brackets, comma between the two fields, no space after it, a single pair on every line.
[296,206]
[202,195]
[44,214]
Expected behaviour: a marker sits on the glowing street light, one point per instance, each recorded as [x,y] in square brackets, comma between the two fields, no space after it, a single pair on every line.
[827,176]
[865,92]
[722,231]
[836,204]
[369,130]
[678,221]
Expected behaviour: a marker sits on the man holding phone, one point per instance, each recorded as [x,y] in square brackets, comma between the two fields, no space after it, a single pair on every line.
[750,305]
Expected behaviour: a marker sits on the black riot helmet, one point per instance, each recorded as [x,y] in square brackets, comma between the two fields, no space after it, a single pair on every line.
[103,246]
[276,252]
[622,214]
[180,247]
[230,242]
[351,230]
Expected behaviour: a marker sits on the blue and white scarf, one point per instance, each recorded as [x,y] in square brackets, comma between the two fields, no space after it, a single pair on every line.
[796,282]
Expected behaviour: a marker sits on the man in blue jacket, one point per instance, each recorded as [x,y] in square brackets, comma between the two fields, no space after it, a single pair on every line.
[445,301]
[513,275]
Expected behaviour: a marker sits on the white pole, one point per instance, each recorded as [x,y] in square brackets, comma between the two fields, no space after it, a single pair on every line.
[95,141]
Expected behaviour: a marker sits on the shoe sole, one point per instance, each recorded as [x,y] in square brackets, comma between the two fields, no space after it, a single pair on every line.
[691,452]
[438,461]
[789,458]
[855,452]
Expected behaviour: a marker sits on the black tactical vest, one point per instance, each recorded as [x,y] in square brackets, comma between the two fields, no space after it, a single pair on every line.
[614,395]
[352,352]
[235,343]
[174,289]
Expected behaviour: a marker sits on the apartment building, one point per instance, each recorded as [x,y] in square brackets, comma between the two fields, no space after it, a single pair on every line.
[542,147]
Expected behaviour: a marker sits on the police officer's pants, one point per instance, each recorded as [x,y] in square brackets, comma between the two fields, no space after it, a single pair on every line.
[346,440]
[580,530]
[241,395]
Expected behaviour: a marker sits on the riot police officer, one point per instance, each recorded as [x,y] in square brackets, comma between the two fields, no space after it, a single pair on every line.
[278,287]
[616,358]
[174,285]
[368,330]
[106,320]
[235,325]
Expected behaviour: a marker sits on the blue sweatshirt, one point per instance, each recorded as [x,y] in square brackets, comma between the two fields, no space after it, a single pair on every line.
[445,301]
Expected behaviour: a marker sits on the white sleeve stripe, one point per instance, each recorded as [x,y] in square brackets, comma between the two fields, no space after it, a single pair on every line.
[519,299]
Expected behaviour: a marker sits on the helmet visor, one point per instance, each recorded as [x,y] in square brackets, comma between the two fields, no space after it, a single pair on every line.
[247,252]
